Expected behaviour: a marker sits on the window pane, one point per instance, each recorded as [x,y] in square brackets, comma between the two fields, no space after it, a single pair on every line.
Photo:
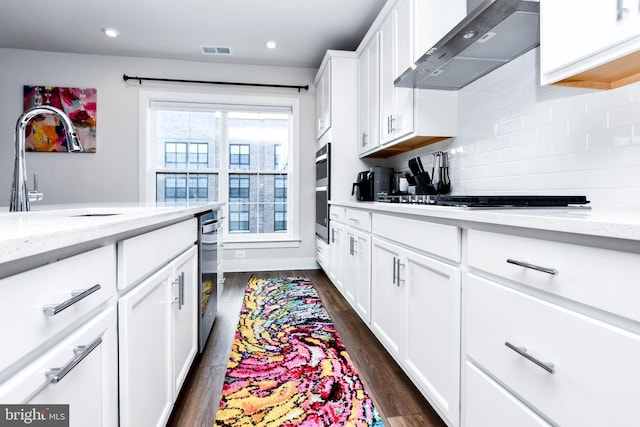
[260,133]
[188,136]
[175,187]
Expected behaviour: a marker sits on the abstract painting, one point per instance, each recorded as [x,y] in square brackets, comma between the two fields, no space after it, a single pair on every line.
[46,132]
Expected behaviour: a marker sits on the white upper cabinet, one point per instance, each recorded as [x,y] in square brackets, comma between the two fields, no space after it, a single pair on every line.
[408,118]
[369,95]
[396,50]
[323,102]
[593,45]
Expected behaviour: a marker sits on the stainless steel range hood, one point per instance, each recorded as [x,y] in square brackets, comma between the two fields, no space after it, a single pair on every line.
[493,34]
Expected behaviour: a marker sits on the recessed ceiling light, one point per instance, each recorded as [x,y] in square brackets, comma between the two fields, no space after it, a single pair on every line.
[110,32]
[271,44]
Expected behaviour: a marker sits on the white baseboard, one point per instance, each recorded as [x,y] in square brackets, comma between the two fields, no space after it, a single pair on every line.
[270,264]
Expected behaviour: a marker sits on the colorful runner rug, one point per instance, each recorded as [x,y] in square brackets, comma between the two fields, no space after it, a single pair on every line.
[288,366]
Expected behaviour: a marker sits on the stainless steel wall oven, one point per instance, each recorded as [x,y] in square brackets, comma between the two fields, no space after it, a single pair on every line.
[323,177]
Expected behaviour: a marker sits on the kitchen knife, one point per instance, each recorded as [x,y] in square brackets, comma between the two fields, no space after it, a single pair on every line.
[413,166]
[420,165]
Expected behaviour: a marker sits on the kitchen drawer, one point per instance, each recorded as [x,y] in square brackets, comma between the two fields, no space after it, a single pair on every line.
[438,239]
[89,387]
[140,256]
[358,219]
[595,365]
[488,404]
[602,278]
[25,295]
[337,213]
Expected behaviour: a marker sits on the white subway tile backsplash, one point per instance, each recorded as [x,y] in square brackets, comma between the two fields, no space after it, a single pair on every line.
[627,114]
[517,137]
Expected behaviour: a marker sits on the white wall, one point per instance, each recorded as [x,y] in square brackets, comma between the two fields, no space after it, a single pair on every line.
[111,174]
[516,137]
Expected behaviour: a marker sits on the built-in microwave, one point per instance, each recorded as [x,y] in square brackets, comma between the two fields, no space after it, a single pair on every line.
[323,174]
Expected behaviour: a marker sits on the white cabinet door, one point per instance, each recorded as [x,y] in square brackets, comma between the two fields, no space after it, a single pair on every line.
[386,295]
[89,387]
[387,90]
[144,313]
[337,253]
[432,356]
[323,102]
[349,270]
[185,316]
[396,51]
[402,121]
[368,95]
[576,37]
[361,266]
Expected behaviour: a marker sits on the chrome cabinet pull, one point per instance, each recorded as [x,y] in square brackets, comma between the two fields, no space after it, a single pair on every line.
[399,280]
[522,351]
[181,290]
[364,139]
[56,374]
[53,309]
[533,266]
[180,298]
[394,271]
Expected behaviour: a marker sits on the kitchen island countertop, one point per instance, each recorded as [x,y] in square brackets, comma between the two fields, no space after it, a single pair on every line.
[617,223]
[67,229]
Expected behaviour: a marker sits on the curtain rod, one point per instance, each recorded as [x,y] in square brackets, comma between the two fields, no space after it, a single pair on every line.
[155,79]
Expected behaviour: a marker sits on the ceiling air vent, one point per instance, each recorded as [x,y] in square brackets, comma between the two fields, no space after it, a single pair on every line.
[215,50]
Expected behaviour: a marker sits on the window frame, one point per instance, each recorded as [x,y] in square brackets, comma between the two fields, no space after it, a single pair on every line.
[149,99]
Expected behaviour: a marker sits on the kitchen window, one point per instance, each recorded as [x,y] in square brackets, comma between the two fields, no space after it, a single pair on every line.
[241,153]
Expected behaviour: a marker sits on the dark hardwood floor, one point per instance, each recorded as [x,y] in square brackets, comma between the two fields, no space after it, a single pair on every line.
[397,399]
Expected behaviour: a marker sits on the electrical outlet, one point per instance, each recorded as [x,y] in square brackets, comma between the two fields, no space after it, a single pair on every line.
[241,254]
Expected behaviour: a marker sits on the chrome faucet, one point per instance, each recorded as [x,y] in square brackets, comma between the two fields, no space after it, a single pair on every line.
[20,196]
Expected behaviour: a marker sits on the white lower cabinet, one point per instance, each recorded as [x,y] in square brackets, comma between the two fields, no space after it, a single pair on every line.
[79,371]
[357,272]
[387,308]
[554,325]
[337,254]
[184,316]
[416,315]
[158,341]
[573,369]
[145,352]
[432,355]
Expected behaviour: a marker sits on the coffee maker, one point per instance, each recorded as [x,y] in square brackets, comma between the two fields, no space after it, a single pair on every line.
[369,183]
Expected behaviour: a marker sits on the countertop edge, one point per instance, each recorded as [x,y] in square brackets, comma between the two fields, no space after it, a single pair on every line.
[85,233]
[610,223]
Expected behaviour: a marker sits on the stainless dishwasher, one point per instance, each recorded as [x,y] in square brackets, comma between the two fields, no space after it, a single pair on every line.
[209,227]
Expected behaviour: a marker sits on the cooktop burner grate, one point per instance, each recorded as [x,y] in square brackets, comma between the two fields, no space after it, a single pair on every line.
[487,201]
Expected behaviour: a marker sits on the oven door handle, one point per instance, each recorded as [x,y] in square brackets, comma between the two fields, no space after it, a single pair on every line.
[323,188]
[322,158]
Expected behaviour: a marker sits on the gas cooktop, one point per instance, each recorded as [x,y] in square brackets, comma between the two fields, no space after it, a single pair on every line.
[486,201]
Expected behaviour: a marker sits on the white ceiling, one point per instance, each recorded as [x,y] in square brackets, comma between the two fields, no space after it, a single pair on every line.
[304,29]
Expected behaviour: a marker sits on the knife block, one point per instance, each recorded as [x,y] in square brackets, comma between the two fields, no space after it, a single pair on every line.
[423,184]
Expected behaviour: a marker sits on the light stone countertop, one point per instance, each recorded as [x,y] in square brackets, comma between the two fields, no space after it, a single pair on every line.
[54,227]
[617,223]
